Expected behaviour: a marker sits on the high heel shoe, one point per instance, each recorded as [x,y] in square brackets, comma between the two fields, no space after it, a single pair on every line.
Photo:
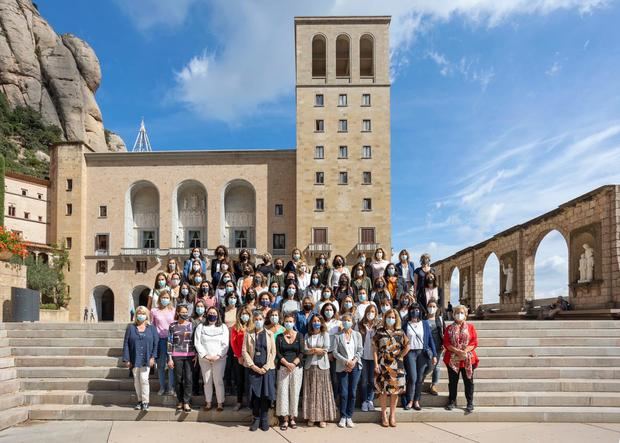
[384,419]
[393,420]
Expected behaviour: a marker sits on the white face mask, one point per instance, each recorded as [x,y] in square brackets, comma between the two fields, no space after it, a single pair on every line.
[432,310]
[459,316]
[371,316]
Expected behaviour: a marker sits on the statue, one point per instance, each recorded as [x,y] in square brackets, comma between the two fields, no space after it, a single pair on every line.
[586,264]
[465,294]
[508,271]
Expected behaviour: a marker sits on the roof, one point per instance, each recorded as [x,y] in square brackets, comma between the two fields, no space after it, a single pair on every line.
[27,178]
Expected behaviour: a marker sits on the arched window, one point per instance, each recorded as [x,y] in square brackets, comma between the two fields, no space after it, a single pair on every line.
[367,56]
[319,56]
[343,56]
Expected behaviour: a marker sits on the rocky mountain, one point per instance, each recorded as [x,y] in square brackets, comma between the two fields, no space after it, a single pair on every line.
[52,74]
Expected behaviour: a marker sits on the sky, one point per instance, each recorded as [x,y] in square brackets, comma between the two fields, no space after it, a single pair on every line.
[501,110]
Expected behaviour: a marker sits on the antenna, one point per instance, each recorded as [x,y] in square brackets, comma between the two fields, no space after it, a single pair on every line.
[142,144]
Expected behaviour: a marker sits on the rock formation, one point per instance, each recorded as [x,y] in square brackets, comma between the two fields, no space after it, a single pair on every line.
[55,75]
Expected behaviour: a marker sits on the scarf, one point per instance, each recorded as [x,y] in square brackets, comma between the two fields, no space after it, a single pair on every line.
[459,339]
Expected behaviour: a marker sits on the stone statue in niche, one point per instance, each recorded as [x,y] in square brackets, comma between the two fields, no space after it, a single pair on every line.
[508,272]
[586,264]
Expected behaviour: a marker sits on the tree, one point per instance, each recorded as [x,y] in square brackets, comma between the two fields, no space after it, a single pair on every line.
[49,279]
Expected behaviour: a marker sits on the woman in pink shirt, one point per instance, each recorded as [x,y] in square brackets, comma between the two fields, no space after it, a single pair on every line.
[163,316]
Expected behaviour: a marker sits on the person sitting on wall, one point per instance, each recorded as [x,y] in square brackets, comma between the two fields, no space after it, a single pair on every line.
[555,308]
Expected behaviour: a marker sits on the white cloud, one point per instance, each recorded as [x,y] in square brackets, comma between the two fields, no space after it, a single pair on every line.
[554,69]
[254,64]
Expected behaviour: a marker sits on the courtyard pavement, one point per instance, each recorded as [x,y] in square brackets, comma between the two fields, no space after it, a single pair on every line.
[127,431]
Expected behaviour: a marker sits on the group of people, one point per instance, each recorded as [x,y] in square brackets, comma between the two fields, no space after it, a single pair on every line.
[284,335]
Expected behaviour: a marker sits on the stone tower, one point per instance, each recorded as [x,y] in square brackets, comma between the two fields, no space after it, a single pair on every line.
[343,135]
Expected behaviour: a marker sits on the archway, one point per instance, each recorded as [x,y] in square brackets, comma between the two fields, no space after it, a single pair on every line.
[140,295]
[343,56]
[189,215]
[319,56]
[367,62]
[103,299]
[551,266]
[455,279]
[490,280]
[142,216]
[239,215]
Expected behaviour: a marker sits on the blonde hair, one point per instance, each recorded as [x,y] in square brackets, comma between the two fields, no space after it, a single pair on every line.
[398,324]
[145,311]
[462,308]
[161,294]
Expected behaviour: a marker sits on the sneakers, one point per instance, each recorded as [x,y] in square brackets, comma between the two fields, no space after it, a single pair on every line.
[342,423]
[162,391]
[138,406]
[469,409]
[365,406]
[450,406]
[350,423]
[171,392]
[255,424]
[371,406]
[433,390]
[145,407]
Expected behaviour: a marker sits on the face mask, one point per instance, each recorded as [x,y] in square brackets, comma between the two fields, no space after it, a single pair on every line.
[161,283]
[185,292]
[171,266]
[175,282]
[258,280]
[278,266]
[296,257]
[404,258]
[224,267]
[220,254]
[205,290]
[379,255]
[183,316]
[371,316]
[244,257]
[244,318]
[141,317]
[329,314]
[347,324]
[322,261]
[348,304]
[303,269]
[432,310]
[275,319]
[405,302]
[315,281]
[290,292]
[460,316]
[259,324]
[229,289]
[380,285]
[226,279]
[316,326]
[338,263]
[247,272]
[232,301]
[265,303]
[385,308]
[250,297]
[390,321]
[200,310]
[196,268]
[327,295]
[359,273]
[198,279]
[274,291]
[196,254]
[211,318]
[415,314]
[362,260]
[391,271]
[362,297]
[165,301]
[289,325]
[307,308]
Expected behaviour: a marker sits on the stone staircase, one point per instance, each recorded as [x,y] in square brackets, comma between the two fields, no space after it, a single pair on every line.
[554,371]
[11,399]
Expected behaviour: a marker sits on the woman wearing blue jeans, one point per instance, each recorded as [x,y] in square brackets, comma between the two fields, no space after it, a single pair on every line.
[162,317]
[347,351]
[367,327]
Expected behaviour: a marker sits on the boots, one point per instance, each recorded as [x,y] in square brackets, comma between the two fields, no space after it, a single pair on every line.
[255,424]
[264,420]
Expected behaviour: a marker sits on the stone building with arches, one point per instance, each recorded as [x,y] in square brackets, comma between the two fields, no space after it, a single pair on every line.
[121,215]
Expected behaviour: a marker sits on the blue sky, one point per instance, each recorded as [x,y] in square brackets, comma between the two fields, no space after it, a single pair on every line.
[500,110]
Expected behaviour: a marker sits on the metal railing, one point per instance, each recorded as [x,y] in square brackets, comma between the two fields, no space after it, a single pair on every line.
[143,252]
[319,247]
[366,247]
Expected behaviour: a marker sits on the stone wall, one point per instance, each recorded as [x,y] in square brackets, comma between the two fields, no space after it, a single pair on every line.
[11,276]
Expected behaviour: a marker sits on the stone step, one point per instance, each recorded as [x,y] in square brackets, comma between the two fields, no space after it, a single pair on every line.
[66,351]
[482,414]
[8,374]
[543,333]
[545,324]
[66,342]
[4,342]
[124,398]
[548,341]
[482,385]
[69,333]
[7,362]
[9,386]
[69,361]
[34,326]
[5,352]
[573,351]
[11,400]
[12,417]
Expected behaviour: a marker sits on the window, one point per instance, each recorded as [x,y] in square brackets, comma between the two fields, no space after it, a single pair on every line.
[366,56]
[319,126]
[12,211]
[319,235]
[343,178]
[69,184]
[366,178]
[24,192]
[319,152]
[367,235]
[103,211]
[68,290]
[194,238]
[40,218]
[102,266]
[343,56]
[319,178]
[319,58]
[319,100]
[19,234]
[342,126]
[366,151]
[279,241]
[342,100]
[365,99]
[279,209]
[240,238]
[102,242]
[319,204]
[367,204]
[343,152]
[69,209]
[366,126]
[40,196]
[68,242]
[141,266]
[148,239]
[68,266]
[26,215]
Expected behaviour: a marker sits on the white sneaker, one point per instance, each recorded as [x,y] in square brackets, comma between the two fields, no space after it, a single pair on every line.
[350,423]
[342,423]
[162,391]
[371,406]
[365,406]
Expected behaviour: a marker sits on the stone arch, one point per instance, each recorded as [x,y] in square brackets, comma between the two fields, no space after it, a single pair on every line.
[453,286]
[140,296]
[550,265]
[142,215]
[343,56]
[490,278]
[319,56]
[239,215]
[367,56]
[189,215]
[102,301]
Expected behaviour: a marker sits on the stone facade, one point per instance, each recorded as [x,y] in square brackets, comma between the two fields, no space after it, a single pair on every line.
[592,218]
[11,276]
[26,206]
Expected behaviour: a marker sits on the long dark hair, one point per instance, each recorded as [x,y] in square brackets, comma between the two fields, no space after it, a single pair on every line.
[218,322]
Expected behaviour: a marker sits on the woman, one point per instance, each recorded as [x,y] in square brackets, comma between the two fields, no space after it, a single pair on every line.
[230,309]
[303,276]
[392,283]
[344,288]
[289,356]
[338,270]
[174,282]
[460,342]
[379,263]
[363,260]
[266,268]
[327,296]
[140,353]
[302,317]
[348,350]
[225,287]
[380,292]
[187,297]
[333,326]
[247,280]
[315,288]
[211,342]
[404,270]
[322,268]
[198,317]
[347,306]
[221,257]
[419,276]
[159,286]
[251,299]
[196,276]
[406,301]
[290,302]
[181,355]
[431,291]
[367,328]
[195,255]
[172,267]
[259,356]
[259,282]
[421,355]
[275,294]
[239,371]
[163,317]
[437,331]
[362,306]
[278,273]
[207,296]
[318,396]
[239,265]
[272,324]
[264,303]
[390,347]
[360,280]
[384,307]
[294,261]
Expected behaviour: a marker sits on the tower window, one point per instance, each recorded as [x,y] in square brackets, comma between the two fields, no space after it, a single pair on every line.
[342,126]
[319,126]
[319,178]
[279,209]
[319,100]
[319,59]
[366,151]
[367,204]
[319,152]
[343,178]
[366,178]
[319,204]
[366,56]
[366,126]
[343,56]
[69,209]
[342,100]
[365,99]
[343,152]
[69,184]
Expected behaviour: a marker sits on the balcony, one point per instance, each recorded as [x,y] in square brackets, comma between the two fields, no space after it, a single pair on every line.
[102,252]
[234,252]
[278,252]
[320,248]
[366,247]
[141,253]
[185,252]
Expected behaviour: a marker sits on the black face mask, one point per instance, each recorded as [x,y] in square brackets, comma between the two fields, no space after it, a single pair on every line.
[307,307]
[278,266]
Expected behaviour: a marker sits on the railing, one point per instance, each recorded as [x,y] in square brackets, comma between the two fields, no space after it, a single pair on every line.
[319,247]
[184,252]
[279,252]
[102,252]
[234,252]
[366,247]
[143,252]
